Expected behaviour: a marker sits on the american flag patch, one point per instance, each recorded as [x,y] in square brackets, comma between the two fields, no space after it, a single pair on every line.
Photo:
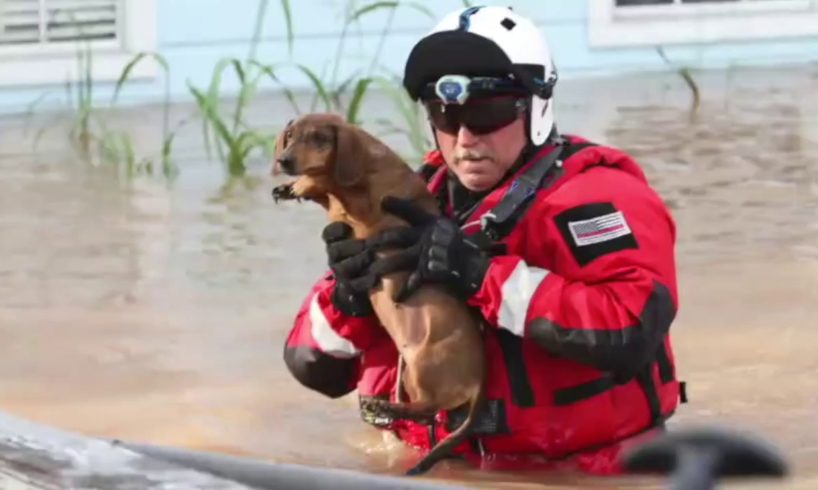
[599,229]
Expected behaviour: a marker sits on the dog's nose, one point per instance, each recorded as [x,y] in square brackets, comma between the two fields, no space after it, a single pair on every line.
[287,164]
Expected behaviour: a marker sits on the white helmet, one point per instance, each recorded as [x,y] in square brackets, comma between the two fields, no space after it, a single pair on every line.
[488,42]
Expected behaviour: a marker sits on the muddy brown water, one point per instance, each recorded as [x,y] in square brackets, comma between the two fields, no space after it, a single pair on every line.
[157,313]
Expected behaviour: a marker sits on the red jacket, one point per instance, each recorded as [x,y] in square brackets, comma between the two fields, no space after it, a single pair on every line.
[581,304]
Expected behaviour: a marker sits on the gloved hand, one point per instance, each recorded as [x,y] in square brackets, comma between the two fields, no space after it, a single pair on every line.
[436,252]
[349,259]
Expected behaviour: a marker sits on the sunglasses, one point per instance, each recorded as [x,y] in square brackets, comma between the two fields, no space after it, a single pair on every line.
[480,116]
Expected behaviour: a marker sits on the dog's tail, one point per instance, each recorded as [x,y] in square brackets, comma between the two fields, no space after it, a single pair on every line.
[454,439]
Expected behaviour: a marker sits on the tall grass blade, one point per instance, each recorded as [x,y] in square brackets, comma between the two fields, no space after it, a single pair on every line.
[212,116]
[684,72]
[89,75]
[288,20]
[339,49]
[288,93]
[357,98]
[410,113]
[245,92]
[382,41]
[125,75]
[89,89]
[212,98]
[374,7]
[169,169]
[257,30]
[341,89]
[31,109]
[130,154]
[321,90]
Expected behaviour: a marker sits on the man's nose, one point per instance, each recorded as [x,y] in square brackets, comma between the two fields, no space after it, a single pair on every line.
[465,137]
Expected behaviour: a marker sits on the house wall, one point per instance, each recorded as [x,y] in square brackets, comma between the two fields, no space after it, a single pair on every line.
[193,35]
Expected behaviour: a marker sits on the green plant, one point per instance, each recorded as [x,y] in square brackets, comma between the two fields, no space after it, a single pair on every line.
[414,125]
[687,76]
[226,132]
[234,139]
[239,140]
[168,167]
[225,128]
[89,132]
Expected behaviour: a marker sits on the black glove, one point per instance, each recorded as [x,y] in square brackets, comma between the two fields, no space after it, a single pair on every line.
[436,251]
[349,259]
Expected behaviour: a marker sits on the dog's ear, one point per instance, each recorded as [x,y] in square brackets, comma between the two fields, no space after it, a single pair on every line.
[351,156]
[281,140]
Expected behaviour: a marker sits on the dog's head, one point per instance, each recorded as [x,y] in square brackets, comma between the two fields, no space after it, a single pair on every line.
[325,148]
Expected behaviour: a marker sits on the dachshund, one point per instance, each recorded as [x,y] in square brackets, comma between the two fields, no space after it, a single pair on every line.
[348,171]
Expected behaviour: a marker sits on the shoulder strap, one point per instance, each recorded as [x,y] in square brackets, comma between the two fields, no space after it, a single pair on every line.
[499,222]
[426,171]
[570,150]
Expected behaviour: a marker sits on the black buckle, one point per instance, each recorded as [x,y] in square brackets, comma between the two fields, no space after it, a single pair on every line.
[522,189]
[491,421]
[371,413]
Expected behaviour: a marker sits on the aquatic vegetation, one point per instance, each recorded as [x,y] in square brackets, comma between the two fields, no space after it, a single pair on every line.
[225,129]
[687,76]
[89,131]
[235,140]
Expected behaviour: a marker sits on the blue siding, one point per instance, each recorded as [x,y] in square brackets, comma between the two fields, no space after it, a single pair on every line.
[195,34]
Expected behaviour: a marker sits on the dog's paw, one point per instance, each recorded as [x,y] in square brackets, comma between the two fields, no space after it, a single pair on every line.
[283,192]
[305,188]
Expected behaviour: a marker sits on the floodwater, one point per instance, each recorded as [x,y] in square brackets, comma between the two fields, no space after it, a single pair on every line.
[157,313]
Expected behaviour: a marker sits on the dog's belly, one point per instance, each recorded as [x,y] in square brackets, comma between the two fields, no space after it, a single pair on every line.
[440,342]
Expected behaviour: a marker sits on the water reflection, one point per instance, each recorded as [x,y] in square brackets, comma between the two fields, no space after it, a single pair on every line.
[158,315]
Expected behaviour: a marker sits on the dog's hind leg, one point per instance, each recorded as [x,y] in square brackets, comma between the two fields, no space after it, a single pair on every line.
[445,447]
[399,379]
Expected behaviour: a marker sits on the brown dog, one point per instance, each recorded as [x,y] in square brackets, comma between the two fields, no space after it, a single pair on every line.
[349,172]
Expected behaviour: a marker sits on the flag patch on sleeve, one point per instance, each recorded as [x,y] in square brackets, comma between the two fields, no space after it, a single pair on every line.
[600,229]
[594,230]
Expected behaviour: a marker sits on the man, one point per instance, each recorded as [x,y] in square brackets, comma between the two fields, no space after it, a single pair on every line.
[578,302]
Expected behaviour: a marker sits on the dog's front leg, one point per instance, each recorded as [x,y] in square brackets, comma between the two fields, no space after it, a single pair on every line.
[308,188]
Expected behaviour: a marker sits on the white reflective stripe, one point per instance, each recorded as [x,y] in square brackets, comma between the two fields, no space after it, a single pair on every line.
[516,296]
[328,339]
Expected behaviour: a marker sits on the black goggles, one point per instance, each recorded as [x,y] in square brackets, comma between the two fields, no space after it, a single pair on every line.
[480,116]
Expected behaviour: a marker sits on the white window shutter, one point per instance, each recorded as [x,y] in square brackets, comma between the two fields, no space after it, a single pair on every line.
[19,21]
[56,21]
[70,20]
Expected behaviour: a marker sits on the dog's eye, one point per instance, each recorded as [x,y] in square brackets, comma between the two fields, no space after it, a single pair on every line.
[320,138]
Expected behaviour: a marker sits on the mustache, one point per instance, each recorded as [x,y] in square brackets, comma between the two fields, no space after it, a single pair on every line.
[471,155]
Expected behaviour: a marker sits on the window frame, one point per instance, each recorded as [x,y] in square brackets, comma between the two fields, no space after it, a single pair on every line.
[45,64]
[699,23]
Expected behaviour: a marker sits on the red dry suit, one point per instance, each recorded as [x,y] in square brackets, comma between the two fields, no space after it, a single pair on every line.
[579,308]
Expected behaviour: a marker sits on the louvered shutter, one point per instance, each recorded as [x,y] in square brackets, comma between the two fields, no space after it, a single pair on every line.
[56,21]
[19,21]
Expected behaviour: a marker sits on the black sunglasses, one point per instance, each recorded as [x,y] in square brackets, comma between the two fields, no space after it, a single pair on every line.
[480,116]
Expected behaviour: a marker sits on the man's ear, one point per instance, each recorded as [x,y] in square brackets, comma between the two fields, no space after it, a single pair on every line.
[351,156]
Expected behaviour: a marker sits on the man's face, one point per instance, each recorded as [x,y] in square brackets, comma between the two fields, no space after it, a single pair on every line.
[481,160]
[480,141]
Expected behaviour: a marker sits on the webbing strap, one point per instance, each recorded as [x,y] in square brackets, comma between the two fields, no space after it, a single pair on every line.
[500,220]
